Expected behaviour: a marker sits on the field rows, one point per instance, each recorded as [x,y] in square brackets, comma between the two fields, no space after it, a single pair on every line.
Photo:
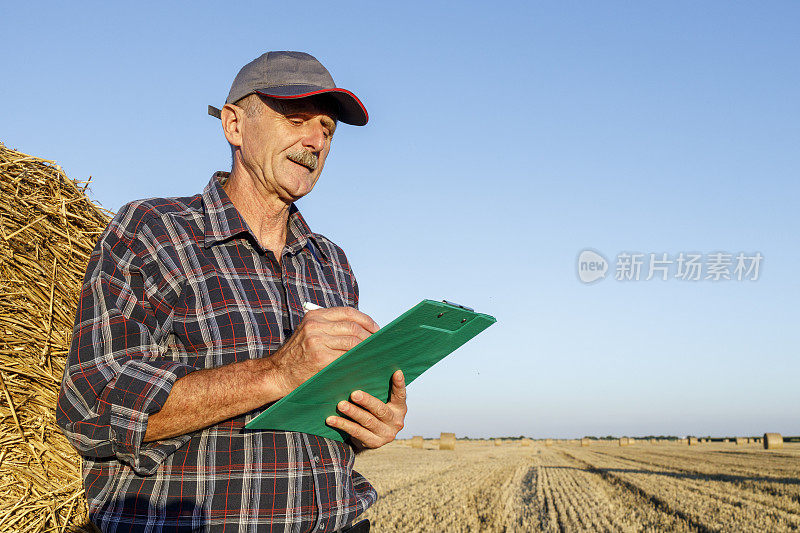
[705,502]
[481,487]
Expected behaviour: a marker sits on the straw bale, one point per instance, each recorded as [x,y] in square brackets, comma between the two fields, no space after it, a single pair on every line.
[623,441]
[773,441]
[498,442]
[48,228]
[585,442]
[548,442]
[417,441]
[740,441]
[693,441]
[447,441]
[525,442]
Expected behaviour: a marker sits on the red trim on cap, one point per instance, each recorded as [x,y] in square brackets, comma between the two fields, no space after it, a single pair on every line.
[321,91]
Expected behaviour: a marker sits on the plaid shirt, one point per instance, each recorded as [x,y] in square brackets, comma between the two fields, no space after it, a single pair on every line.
[181,284]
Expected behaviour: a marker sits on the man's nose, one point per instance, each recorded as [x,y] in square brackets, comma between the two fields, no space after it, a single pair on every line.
[314,139]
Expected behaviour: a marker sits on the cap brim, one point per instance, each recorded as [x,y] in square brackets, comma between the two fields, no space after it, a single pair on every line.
[351,110]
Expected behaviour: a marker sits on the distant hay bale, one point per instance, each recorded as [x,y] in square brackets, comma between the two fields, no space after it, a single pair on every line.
[726,440]
[623,441]
[447,441]
[740,441]
[525,442]
[548,442]
[773,441]
[585,442]
[498,442]
[652,441]
[693,441]
[417,441]
[48,229]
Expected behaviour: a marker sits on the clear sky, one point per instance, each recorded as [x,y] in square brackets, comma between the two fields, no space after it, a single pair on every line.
[504,139]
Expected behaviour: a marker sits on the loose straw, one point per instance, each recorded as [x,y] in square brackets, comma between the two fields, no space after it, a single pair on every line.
[48,228]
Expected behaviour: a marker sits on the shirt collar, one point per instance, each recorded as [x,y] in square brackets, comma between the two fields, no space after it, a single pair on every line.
[223,221]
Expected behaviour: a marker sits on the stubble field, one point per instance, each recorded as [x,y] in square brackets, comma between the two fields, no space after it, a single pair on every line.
[566,487]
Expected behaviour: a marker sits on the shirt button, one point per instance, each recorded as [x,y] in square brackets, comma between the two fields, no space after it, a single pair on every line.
[316,460]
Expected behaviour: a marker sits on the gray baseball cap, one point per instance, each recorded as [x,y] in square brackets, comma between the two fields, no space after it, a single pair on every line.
[289,75]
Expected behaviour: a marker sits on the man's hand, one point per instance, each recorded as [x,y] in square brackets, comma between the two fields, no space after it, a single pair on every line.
[372,423]
[209,396]
[322,336]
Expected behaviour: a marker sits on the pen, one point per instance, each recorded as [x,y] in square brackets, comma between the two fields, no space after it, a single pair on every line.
[308,306]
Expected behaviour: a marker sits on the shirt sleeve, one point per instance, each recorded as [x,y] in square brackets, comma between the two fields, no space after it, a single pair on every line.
[118,371]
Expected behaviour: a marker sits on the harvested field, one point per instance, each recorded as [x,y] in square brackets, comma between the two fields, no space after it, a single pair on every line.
[569,487]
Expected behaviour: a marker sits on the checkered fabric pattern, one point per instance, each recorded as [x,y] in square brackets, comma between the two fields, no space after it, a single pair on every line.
[181,284]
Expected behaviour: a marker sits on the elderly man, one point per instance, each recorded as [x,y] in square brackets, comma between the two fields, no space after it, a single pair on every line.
[191,321]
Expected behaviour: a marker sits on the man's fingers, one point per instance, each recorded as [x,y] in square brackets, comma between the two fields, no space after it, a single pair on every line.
[379,409]
[347,327]
[363,417]
[399,394]
[346,314]
[369,420]
[369,439]
[341,343]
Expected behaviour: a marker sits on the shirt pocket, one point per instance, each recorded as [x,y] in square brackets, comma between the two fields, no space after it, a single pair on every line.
[221,319]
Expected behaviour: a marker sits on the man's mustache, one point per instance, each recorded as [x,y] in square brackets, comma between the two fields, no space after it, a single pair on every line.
[305,158]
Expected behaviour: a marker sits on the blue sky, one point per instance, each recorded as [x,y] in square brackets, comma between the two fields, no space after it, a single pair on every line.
[504,138]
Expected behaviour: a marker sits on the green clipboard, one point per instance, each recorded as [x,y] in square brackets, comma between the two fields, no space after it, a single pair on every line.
[413,342]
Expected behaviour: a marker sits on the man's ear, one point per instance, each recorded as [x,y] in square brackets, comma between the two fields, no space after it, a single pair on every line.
[232,118]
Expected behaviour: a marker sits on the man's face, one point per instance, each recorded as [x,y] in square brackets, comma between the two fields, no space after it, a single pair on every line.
[284,147]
